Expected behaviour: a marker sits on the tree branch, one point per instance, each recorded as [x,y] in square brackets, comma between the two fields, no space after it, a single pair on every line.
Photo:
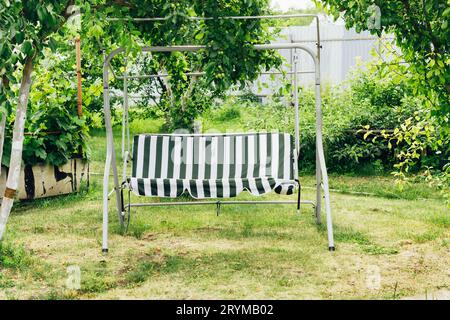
[5,81]
[66,15]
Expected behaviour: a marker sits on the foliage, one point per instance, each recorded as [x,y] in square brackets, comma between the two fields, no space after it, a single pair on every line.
[294,22]
[53,132]
[27,27]
[421,30]
[354,116]
[42,24]
[420,140]
[417,144]
[13,257]
[223,64]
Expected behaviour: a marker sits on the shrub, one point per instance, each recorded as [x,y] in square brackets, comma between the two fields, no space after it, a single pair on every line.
[365,101]
[13,257]
[228,112]
[53,131]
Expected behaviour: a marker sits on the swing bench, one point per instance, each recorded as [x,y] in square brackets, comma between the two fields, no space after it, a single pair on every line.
[212,166]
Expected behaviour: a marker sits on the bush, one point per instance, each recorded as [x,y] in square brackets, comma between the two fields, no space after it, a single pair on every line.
[228,113]
[53,131]
[365,101]
[13,257]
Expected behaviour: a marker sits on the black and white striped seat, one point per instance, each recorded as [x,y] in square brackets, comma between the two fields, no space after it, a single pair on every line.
[213,166]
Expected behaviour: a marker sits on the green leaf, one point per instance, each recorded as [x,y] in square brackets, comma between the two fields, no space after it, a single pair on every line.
[27,48]
[41,13]
[20,36]
[40,153]
[53,44]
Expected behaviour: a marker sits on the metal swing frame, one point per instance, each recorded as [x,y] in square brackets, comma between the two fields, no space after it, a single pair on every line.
[111,162]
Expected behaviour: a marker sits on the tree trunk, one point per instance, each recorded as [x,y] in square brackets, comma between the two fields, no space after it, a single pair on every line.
[2,137]
[5,84]
[17,146]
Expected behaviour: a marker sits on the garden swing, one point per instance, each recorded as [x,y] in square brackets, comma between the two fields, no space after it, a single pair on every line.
[213,166]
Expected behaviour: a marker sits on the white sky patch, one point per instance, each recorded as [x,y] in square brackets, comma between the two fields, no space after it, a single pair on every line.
[285,5]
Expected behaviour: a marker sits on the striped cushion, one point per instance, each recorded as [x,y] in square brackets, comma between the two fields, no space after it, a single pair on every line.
[212,166]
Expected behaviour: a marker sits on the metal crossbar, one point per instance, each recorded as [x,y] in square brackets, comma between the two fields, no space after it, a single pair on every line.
[165,75]
[196,203]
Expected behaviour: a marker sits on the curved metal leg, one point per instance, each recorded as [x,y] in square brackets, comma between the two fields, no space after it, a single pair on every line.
[323,168]
[105,203]
[110,161]
[318,190]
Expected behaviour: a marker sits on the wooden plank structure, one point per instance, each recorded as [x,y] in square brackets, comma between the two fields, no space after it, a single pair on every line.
[43,180]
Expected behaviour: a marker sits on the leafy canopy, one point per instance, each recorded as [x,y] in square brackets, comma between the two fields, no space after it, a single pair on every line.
[30,27]
[422,31]
[228,60]
[26,28]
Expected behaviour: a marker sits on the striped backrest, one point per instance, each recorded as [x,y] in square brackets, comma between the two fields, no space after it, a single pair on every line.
[214,156]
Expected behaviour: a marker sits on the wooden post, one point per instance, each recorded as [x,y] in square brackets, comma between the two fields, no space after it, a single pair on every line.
[79,93]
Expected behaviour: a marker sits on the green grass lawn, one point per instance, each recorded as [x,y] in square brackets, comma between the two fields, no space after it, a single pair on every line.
[246,252]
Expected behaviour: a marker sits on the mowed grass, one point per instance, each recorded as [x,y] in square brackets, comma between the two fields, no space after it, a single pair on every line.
[247,252]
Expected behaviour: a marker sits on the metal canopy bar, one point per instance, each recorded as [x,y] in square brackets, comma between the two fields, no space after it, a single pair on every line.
[194,48]
[263,17]
[279,16]
[321,171]
[166,75]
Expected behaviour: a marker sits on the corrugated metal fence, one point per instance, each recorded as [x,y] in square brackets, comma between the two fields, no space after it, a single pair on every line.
[340,53]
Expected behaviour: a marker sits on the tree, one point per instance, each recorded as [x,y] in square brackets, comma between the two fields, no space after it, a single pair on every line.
[27,27]
[421,30]
[182,98]
[30,26]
